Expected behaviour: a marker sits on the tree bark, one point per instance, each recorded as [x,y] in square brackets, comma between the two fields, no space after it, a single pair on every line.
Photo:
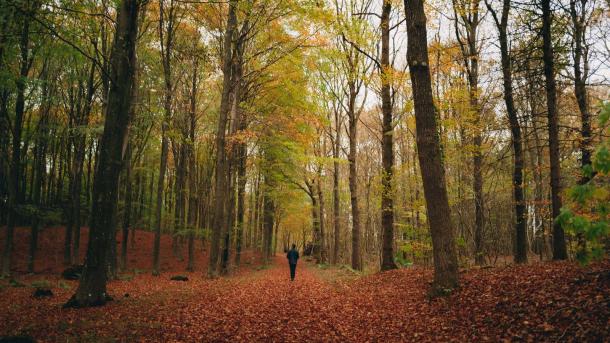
[192,174]
[387,145]
[353,177]
[166,37]
[467,16]
[559,242]
[241,195]
[336,200]
[91,290]
[429,151]
[268,221]
[221,167]
[321,215]
[520,250]
[581,74]
[15,166]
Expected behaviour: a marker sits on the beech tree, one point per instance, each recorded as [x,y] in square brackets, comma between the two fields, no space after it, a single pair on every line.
[429,151]
[548,58]
[91,289]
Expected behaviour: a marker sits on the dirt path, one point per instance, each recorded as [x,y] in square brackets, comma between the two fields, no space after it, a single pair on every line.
[267,307]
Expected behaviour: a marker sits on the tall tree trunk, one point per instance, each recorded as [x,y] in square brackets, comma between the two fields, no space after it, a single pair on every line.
[559,242]
[5,19]
[321,206]
[581,73]
[520,250]
[91,289]
[336,199]
[15,166]
[192,173]
[39,173]
[241,195]
[429,151]
[315,222]
[353,177]
[166,37]
[268,221]
[82,120]
[387,145]
[221,167]
[467,16]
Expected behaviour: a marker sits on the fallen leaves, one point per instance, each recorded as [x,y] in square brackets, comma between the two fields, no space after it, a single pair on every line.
[557,301]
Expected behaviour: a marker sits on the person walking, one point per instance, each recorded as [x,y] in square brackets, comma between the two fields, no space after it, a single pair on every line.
[293,257]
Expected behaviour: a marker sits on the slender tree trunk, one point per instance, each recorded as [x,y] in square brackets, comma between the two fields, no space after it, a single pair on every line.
[559,242]
[520,250]
[353,178]
[192,174]
[387,145]
[467,16]
[166,32]
[322,240]
[15,166]
[91,290]
[5,19]
[315,222]
[268,222]
[221,167]
[429,151]
[336,200]
[581,73]
[39,172]
[241,195]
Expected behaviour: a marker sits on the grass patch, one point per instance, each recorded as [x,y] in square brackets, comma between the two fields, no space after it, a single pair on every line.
[63,285]
[41,284]
[16,283]
[125,277]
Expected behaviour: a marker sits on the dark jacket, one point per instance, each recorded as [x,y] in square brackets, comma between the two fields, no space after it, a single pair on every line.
[292,256]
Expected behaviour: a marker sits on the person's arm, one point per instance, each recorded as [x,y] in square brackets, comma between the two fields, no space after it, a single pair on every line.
[297,254]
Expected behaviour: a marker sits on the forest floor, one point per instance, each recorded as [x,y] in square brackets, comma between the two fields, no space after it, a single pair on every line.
[553,301]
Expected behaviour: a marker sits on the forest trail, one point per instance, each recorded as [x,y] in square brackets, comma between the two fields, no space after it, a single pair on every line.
[267,306]
[539,302]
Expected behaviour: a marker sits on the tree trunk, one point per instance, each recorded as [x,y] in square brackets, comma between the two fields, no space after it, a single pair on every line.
[322,239]
[221,167]
[39,172]
[166,32]
[15,166]
[241,195]
[581,74]
[336,200]
[580,82]
[387,145]
[353,178]
[559,242]
[467,16]
[520,250]
[268,222]
[192,173]
[429,151]
[91,290]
